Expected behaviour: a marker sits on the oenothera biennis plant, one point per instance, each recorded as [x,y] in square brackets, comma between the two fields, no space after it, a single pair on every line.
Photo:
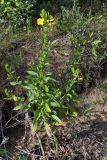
[48,102]
[43,98]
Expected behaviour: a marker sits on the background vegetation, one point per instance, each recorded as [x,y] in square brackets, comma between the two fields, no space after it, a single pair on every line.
[51,51]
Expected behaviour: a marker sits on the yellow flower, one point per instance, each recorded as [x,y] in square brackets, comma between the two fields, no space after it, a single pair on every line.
[14,98]
[50,22]
[40,21]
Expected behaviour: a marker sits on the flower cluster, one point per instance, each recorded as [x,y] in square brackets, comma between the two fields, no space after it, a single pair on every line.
[42,21]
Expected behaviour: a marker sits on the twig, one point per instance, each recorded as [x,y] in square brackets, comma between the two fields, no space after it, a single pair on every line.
[42,150]
[11,119]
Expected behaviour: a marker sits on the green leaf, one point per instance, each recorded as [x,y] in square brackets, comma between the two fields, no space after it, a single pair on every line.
[69,95]
[37,115]
[13,83]
[8,69]
[96,42]
[55,104]
[48,79]
[56,119]
[47,108]
[28,87]
[2,1]
[19,107]
[48,129]
[46,88]
[54,42]
[32,73]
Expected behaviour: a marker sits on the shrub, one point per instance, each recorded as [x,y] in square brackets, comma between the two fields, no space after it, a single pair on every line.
[14,13]
[85,40]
